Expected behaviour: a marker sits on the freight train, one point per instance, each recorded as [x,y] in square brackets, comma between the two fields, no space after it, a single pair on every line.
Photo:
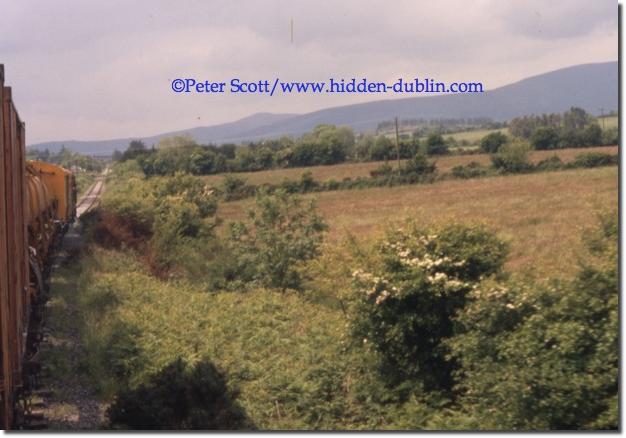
[37,205]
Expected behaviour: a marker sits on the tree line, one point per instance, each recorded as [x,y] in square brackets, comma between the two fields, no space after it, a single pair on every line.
[330,144]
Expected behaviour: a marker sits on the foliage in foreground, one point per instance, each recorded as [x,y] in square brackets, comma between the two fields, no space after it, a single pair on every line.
[290,356]
[544,356]
[179,397]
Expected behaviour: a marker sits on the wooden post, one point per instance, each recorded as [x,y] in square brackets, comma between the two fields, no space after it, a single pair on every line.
[397,144]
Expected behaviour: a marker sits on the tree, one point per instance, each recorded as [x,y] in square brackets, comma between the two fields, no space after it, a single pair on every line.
[545,138]
[176,141]
[492,142]
[228,150]
[575,119]
[381,149]
[592,135]
[134,150]
[435,145]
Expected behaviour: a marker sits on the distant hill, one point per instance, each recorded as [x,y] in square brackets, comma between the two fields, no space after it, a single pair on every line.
[589,86]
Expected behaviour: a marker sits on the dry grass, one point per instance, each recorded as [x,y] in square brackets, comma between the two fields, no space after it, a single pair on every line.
[354,170]
[542,215]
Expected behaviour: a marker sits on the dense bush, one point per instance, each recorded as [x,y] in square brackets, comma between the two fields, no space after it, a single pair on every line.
[234,188]
[405,308]
[550,163]
[545,138]
[512,157]
[179,397]
[544,356]
[594,159]
[470,170]
[280,235]
[418,166]
[436,145]
[493,142]
[169,219]
[610,136]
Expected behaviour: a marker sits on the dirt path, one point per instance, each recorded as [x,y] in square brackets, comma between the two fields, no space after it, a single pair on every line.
[70,401]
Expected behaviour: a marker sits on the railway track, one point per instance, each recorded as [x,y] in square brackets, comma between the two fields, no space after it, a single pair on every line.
[37,402]
[92,198]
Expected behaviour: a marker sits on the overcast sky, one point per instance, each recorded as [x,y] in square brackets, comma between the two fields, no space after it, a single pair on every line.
[100,70]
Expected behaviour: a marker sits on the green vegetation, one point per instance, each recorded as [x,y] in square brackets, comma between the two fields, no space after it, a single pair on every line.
[290,355]
[491,143]
[544,356]
[405,308]
[512,158]
[281,235]
[573,128]
[179,398]
[194,316]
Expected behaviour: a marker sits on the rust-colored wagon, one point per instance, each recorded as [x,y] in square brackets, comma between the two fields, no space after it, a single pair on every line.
[37,202]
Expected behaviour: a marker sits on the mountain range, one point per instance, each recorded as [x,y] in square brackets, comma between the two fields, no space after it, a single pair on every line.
[593,87]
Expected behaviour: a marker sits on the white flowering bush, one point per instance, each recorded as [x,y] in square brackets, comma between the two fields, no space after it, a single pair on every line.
[406,309]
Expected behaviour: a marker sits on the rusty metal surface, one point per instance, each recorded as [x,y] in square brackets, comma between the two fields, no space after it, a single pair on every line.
[21,300]
[5,377]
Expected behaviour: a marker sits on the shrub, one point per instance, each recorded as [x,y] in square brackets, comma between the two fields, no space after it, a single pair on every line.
[512,158]
[492,142]
[405,308]
[592,135]
[594,159]
[278,237]
[550,163]
[234,188]
[419,165]
[470,170]
[544,356]
[436,145]
[179,397]
[308,183]
[382,170]
[610,136]
[190,189]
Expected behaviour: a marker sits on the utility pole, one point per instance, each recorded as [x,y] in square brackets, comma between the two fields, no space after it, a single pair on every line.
[397,144]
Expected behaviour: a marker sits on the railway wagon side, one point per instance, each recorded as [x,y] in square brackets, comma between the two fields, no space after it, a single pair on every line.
[37,203]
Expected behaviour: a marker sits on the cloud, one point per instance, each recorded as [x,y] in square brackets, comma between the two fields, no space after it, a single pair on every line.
[556,18]
[96,70]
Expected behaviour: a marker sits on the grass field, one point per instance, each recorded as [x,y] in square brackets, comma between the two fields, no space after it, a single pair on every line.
[474,136]
[355,170]
[608,122]
[542,214]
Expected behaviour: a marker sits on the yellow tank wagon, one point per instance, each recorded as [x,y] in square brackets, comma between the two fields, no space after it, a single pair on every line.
[61,185]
